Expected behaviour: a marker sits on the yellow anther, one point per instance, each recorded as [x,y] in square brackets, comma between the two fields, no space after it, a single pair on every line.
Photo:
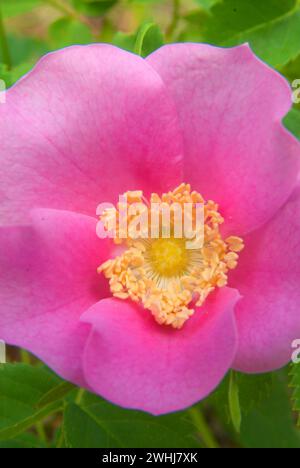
[161,273]
[236,244]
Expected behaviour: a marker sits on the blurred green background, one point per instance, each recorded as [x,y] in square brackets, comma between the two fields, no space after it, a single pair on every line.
[37,409]
[31,28]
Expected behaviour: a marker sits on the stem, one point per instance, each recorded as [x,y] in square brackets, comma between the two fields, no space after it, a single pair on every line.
[79,396]
[41,432]
[203,429]
[61,439]
[175,18]
[25,358]
[3,42]
[234,402]
[21,426]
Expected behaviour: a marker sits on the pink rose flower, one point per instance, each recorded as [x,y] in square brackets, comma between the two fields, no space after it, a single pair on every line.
[90,123]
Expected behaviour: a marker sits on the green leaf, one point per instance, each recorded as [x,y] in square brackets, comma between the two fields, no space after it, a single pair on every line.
[146,40]
[11,76]
[196,21]
[98,424]
[25,440]
[82,430]
[124,41]
[24,424]
[292,69]
[295,385]
[272,27]
[21,387]
[25,50]
[93,7]
[203,429]
[271,425]
[234,402]
[5,75]
[26,384]
[56,394]
[207,4]
[18,7]
[67,31]
[231,18]
[292,122]
[253,391]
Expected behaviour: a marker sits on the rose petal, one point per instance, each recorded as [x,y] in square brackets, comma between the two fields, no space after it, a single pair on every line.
[48,279]
[136,363]
[237,152]
[268,277]
[88,123]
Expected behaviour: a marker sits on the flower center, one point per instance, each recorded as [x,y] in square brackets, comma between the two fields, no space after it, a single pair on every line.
[169,257]
[159,267]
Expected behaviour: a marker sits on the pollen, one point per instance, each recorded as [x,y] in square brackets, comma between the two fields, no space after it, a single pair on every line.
[166,268]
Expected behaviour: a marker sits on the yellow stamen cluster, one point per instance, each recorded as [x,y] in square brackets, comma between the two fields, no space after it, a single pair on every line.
[161,273]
